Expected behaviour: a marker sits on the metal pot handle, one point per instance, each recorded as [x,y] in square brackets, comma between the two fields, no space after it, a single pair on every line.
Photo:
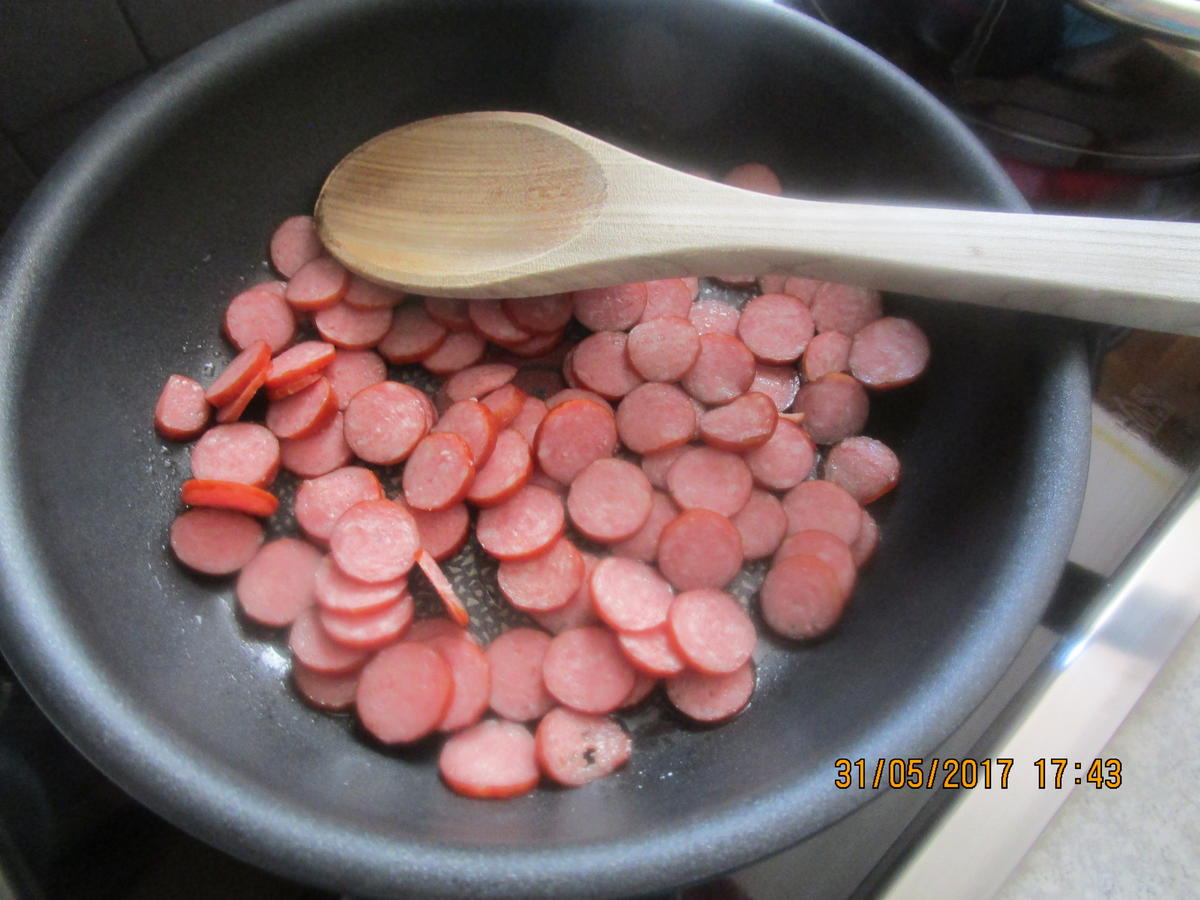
[1173,20]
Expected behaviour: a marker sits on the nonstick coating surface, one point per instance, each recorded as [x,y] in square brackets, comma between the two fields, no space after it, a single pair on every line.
[116,274]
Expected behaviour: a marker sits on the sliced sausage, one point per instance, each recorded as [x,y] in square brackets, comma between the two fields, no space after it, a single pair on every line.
[438,472]
[865,467]
[652,651]
[491,759]
[489,319]
[243,370]
[538,346]
[352,371]
[371,630]
[258,314]
[517,691]
[657,465]
[889,353]
[412,337]
[643,545]
[232,411]
[363,294]
[321,452]
[337,592]
[572,436]
[247,498]
[867,541]
[313,647]
[547,314]
[574,749]
[663,349]
[321,501]
[579,610]
[294,243]
[294,386]
[600,364]
[472,676]
[384,422]
[450,312]
[654,417]
[318,284]
[404,692]
[544,582]
[828,352]
[585,669]
[785,460]
[723,369]
[845,307]
[475,424]
[800,598]
[215,541]
[630,595]
[437,579]
[711,631]
[609,500]
[804,288]
[528,418]
[506,471]
[827,547]
[704,478]
[459,350]
[478,381]
[824,506]
[303,413]
[558,398]
[305,360]
[711,698]
[181,412]
[524,525]
[742,424]
[714,317]
[700,549]
[505,403]
[242,452]
[643,686]
[762,523]
[835,406]
[351,327]
[667,297]
[776,328]
[332,693]
[780,383]
[443,532]
[375,540]
[616,308]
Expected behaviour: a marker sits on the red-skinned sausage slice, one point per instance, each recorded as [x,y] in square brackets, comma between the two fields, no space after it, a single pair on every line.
[754,176]
[445,590]
[780,383]
[318,454]
[711,698]
[242,452]
[714,317]
[321,501]
[572,436]
[762,523]
[668,297]
[865,467]
[657,465]
[889,353]
[829,548]
[723,369]
[259,314]
[310,644]
[547,314]
[352,371]
[404,692]
[491,759]
[472,677]
[475,424]
[375,540]
[699,549]
[663,349]
[845,308]
[449,312]
[654,417]
[585,669]
[533,411]
[384,422]
[303,413]
[574,749]
[824,506]
[215,541]
[643,545]
[711,631]
[518,692]
[544,582]
[508,468]
[785,460]
[652,652]
[630,595]
[867,541]
[233,410]
[459,350]
[490,320]
[800,598]
[600,364]
[478,381]
[579,610]
[181,412]
[438,472]
[372,630]
[318,284]
[338,593]
[742,424]
[610,500]
[293,244]
[524,525]
[443,532]
[412,337]
[505,403]
[301,361]
[245,368]
[704,478]
[363,294]
[332,693]
[233,495]
[835,406]
[353,328]
[776,328]
[828,352]
[615,308]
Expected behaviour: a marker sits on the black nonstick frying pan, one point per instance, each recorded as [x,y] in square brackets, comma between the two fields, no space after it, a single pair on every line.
[115,274]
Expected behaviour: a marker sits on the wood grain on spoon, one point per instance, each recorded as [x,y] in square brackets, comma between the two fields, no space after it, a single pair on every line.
[504,204]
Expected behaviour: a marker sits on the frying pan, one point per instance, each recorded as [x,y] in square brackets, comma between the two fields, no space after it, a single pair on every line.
[116,272]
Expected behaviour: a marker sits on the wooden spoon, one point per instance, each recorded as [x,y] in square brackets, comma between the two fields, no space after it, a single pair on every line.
[505,204]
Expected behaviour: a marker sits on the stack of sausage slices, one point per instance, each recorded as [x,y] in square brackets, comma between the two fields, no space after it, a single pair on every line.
[622,452]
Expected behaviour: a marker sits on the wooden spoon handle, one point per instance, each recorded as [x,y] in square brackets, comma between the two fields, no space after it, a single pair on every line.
[1142,274]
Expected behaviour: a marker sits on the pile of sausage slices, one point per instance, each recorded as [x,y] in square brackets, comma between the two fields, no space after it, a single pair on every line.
[622,452]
